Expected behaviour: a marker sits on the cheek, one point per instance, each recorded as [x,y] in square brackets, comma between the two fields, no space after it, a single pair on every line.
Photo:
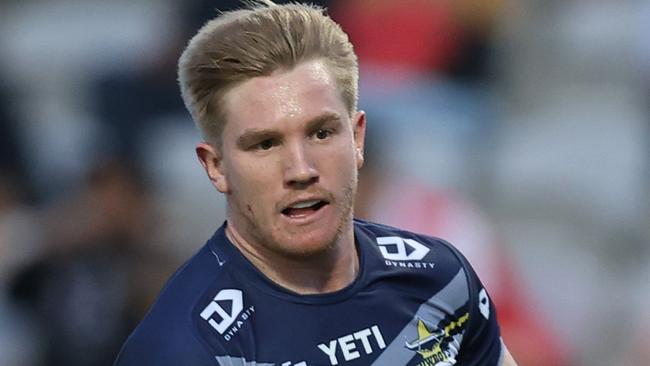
[250,181]
[346,154]
[342,162]
[246,171]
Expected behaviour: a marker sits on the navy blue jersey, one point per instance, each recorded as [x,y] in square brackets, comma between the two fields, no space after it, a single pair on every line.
[415,301]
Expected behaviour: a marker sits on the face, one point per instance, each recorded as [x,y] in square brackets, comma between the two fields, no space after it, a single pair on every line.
[288,161]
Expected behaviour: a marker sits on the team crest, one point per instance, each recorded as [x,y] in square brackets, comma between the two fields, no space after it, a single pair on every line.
[438,346]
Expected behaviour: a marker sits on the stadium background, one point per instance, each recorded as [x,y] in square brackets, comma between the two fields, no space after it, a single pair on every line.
[521,128]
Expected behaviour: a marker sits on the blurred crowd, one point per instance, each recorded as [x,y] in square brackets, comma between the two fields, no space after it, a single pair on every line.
[517,130]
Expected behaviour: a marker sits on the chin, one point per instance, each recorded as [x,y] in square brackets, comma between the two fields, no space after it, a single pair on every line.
[307,245]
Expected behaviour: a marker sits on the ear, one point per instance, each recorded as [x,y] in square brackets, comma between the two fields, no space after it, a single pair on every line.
[359,129]
[211,160]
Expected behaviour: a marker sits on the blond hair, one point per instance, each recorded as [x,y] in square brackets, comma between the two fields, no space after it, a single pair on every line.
[257,41]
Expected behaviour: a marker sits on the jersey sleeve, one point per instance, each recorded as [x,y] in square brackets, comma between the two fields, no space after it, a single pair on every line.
[481,343]
[144,349]
[164,338]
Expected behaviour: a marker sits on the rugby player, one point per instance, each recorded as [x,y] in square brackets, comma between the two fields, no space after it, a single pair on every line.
[291,278]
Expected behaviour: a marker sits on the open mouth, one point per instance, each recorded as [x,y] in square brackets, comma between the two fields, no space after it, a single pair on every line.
[304,208]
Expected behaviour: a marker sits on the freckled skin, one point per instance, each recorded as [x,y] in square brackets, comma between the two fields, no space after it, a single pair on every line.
[258,183]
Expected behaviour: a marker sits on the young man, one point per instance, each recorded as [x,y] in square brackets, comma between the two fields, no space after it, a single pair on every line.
[291,279]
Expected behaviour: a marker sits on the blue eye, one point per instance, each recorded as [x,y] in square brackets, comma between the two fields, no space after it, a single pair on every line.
[265,145]
[322,134]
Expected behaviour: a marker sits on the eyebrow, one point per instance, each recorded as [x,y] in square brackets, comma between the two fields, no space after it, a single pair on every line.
[251,136]
[254,135]
[324,118]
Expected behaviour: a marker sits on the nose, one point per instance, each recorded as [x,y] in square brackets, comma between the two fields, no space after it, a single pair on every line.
[299,170]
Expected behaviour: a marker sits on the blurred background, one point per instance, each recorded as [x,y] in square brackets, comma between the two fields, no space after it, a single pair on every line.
[517,130]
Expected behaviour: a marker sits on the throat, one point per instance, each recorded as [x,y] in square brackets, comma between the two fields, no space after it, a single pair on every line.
[328,272]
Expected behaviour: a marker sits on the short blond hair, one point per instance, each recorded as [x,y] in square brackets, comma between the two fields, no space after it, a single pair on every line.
[257,41]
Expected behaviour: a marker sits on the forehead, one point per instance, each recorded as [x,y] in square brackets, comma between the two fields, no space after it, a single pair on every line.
[304,92]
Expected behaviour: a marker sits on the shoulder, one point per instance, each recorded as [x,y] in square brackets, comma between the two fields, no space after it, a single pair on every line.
[405,249]
[167,335]
[431,266]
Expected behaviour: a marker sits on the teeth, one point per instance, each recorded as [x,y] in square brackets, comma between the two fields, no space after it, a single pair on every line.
[304,204]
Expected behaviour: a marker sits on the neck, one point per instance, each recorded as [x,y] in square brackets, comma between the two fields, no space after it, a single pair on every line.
[325,272]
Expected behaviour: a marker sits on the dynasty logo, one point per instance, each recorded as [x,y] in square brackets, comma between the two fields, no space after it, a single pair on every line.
[226,312]
[403,253]
[438,346]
